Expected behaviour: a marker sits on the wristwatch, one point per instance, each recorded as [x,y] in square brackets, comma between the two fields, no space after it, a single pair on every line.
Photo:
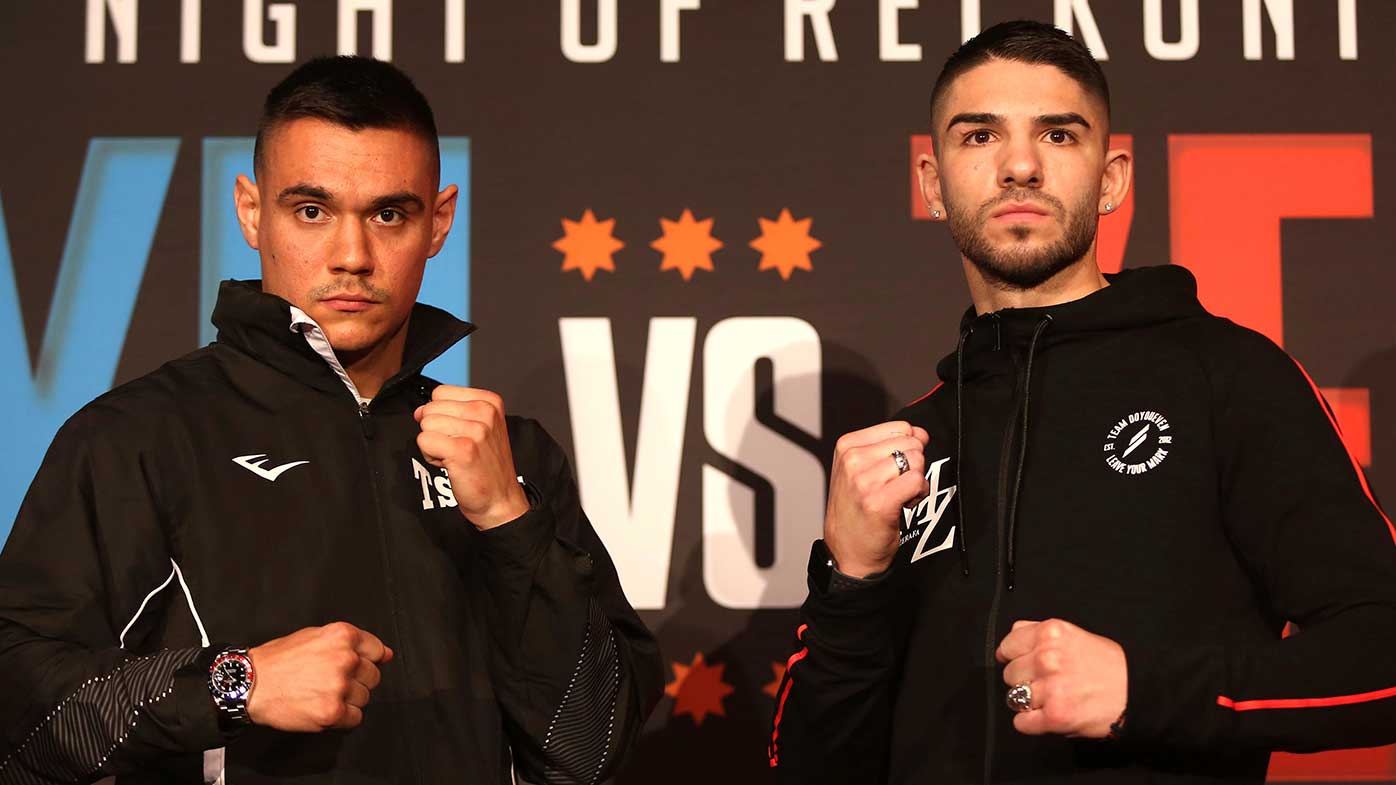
[230,681]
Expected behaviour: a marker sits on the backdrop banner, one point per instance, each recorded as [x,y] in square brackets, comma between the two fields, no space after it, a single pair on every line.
[690,237]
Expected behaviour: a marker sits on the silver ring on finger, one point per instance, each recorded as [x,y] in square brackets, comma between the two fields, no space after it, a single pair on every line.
[903,465]
[1019,697]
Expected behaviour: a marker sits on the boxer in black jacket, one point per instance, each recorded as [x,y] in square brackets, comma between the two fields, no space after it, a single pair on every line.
[1074,558]
[220,563]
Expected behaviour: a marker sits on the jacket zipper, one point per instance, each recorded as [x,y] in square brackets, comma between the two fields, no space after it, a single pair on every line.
[992,684]
[365,421]
[366,427]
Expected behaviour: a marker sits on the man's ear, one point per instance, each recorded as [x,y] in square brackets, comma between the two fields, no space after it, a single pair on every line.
[248,203]
[442,217]
[1116,180]
[928,175]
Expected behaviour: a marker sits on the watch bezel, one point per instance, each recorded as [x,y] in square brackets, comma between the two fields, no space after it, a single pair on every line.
[226,685]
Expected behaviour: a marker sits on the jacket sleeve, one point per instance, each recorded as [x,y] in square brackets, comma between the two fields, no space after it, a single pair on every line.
[575,670]
[86,548]
[834,704]
[1305,524]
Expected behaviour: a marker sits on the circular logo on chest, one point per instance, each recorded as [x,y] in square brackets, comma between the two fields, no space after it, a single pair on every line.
[1138,443]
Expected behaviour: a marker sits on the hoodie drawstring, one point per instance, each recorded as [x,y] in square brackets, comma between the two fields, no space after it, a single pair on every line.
[960,440]
[1022,450]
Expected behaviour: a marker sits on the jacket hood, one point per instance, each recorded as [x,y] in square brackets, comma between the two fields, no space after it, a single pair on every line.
[1139,297]
[259,324]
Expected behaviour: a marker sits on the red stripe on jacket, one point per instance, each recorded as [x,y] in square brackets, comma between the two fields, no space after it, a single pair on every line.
[927,395]
[1306,703]
[789,681]
[1356,467]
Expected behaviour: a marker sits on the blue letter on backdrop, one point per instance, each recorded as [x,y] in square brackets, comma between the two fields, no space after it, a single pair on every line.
[118,206]
[227,255]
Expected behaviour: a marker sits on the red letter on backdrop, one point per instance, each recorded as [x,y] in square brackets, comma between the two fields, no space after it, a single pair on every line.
[1227,194]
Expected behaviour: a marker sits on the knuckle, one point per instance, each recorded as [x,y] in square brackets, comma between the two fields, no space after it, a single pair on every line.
[1053,629]
[329,712]
[1049,660]
[347,661]
[868,507]
[863,484]
[339,631]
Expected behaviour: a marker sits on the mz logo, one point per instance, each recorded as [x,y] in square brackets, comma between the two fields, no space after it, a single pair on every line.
[922,521]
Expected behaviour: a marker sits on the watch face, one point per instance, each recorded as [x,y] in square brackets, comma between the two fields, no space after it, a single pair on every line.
[231,677]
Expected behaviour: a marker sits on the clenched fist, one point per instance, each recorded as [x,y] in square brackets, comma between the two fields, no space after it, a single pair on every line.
[867,491]
[1079,680]
[463,431]
[315,678]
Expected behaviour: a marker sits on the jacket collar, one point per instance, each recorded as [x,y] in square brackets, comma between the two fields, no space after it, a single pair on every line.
[1135,298]
[260,325]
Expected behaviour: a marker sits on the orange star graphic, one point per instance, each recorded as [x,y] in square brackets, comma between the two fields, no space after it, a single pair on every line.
[772,689]
[687,244]
[698,689]
[587,245]
[785,244]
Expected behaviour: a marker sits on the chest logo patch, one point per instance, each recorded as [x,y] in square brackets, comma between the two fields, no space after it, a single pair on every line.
[256,463]
[1138,443]
[436,488]
[919,524]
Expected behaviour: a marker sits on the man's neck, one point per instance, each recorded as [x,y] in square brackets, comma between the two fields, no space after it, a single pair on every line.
[1073,283]
[372,368]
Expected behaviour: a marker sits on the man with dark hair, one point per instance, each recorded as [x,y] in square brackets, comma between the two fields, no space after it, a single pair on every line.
[1074,558]
[219,563]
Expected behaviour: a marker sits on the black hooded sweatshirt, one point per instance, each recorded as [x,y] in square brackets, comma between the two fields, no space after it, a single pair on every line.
[240,493]
[1154,474]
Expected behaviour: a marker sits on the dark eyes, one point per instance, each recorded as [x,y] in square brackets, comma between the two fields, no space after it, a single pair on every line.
[316,214]
[983,136]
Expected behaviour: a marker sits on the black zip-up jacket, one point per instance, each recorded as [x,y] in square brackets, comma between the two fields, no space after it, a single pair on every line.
[241,493]
[1154,474]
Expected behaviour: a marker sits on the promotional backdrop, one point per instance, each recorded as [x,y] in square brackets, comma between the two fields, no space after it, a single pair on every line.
[689,236]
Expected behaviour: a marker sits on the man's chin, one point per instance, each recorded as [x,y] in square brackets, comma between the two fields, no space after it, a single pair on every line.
[1026,271]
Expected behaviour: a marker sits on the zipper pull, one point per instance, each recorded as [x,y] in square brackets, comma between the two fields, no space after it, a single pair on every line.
[365,421]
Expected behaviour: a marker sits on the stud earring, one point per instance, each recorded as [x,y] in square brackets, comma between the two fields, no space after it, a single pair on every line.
[1109,206]
[935,214]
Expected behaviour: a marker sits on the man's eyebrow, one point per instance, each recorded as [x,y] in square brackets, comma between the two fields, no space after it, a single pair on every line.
[974,118]
[307,190]
[1064,118]
[401,199]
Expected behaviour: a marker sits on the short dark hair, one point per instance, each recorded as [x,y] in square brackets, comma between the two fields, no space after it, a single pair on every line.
[1025,41]
[349,91]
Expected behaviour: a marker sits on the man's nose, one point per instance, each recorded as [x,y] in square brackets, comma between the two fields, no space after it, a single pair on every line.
[1020,165]
[352,252]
